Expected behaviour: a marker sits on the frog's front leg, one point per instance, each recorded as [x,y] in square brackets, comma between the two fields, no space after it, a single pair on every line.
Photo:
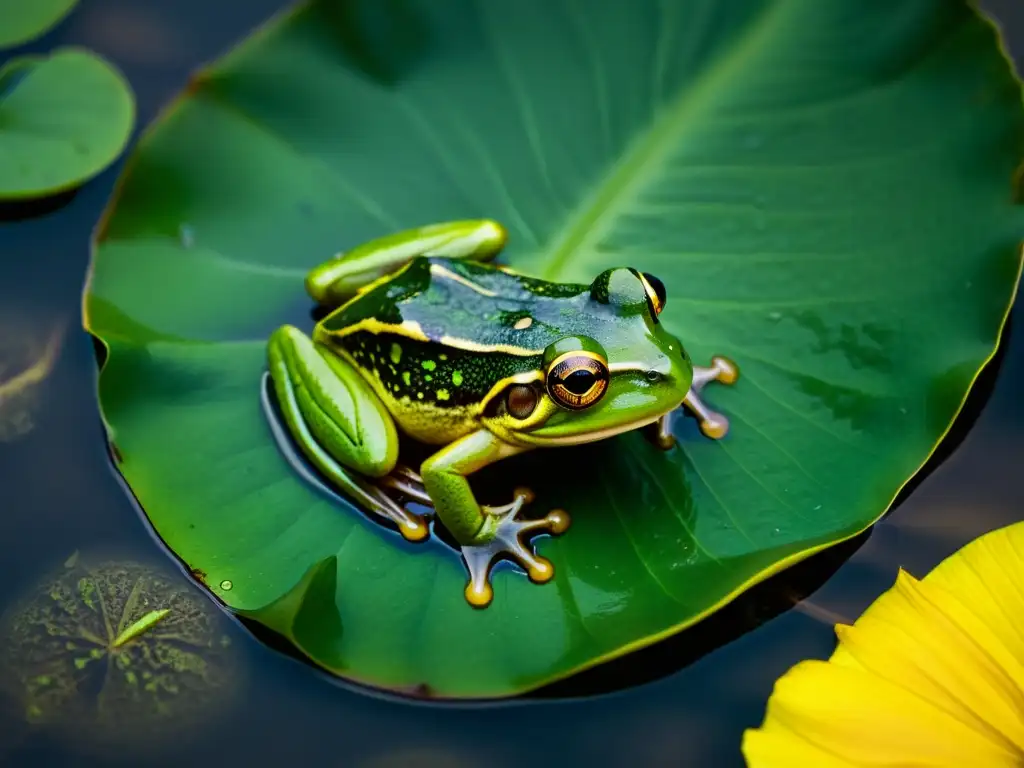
[485,533]
[338,422]
[713,424]
[337,280]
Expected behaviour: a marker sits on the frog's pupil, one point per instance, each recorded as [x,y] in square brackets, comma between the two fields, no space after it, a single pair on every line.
[579,381]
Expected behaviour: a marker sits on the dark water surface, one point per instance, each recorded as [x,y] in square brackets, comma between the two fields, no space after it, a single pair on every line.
[59,493]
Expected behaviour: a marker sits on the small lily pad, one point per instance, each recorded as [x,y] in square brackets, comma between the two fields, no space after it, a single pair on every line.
[24,20]
[115,651]
[63,119]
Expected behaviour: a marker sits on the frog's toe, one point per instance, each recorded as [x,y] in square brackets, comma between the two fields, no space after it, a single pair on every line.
[507,540]
[408,484]
[724,371]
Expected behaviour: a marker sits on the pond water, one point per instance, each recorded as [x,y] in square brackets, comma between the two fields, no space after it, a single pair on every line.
[692,696]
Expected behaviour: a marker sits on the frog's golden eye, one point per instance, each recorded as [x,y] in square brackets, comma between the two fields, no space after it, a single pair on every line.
[656,295]
[578,379]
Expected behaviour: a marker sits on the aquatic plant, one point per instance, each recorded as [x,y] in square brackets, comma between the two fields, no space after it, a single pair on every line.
[116,652]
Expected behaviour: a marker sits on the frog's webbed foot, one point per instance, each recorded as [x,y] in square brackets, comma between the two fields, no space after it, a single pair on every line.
[722,370]
[507,530]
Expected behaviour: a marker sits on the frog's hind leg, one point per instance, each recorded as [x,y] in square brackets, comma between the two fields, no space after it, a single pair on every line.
[337,423]
[335,281]
[723,370]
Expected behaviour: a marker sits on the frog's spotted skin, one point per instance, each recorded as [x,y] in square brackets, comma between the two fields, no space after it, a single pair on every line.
[452,379]
[482,362]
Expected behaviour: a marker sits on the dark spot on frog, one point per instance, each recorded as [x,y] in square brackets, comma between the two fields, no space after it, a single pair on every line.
[199,575]
[115,452]
[305,208]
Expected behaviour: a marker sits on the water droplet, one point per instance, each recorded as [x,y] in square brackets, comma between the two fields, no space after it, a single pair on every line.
[226,585]
[775,316]
[817,508]
[186,235]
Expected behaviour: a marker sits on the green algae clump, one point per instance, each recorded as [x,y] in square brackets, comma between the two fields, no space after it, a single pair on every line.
[115,652]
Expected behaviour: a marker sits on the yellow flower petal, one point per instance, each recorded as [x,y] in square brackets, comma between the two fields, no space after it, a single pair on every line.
[931,674]
[909,638]
[988,576]
[867,721]
[781,747]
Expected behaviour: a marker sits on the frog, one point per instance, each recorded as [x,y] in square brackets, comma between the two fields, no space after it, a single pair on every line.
[426,336]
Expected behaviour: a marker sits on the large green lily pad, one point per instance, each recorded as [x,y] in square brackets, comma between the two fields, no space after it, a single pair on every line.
[63,119]
[825,188]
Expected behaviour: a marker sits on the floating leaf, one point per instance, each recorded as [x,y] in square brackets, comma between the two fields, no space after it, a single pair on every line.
[63,119]
[116,653]
[824,188]
[24,20]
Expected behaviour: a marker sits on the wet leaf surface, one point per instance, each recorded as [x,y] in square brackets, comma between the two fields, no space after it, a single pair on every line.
[825,190]
[63,119]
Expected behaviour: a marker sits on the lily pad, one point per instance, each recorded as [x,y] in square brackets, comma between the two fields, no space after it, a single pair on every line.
[22,21]
[826,190]
[63,119]
[116,652]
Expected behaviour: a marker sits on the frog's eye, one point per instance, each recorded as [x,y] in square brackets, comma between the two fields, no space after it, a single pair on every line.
[656,295]
[577,379]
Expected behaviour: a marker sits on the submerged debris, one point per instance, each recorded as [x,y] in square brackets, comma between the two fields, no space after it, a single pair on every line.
[116,652]
[26,359]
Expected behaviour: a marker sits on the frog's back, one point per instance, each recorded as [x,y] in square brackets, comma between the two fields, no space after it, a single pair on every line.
[435,337]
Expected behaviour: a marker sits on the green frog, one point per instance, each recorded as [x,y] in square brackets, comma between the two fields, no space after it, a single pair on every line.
[428,338]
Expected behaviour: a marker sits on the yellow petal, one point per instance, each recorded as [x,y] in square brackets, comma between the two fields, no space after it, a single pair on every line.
[988,576]
[912,637]
[781,748]
[867,721]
